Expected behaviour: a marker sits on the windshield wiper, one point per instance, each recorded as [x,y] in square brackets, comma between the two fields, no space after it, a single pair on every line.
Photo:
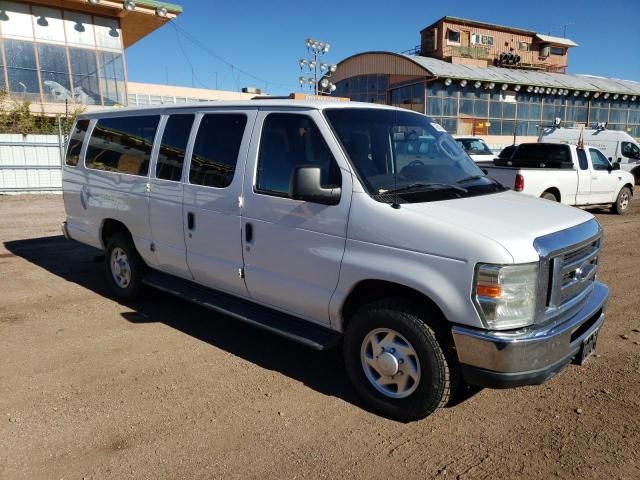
[473,177]
[420,186]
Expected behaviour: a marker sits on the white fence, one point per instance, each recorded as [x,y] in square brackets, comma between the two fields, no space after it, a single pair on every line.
[30,163]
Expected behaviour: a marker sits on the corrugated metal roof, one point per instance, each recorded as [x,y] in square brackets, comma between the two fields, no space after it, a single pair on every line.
[440,68]
[557,40]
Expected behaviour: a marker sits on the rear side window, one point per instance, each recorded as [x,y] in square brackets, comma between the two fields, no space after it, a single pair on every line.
[540,151]
[582,159]
[173,147]
[215,152]
[289,140]
[122,144]
[75,142]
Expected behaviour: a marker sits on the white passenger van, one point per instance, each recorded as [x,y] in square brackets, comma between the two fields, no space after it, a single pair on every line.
[316,221]
[617,146]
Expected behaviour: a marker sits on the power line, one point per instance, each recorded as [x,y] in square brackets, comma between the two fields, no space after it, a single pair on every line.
[184,53]
[234,68]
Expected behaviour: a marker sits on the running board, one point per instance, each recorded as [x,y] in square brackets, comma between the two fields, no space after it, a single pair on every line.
[288,326]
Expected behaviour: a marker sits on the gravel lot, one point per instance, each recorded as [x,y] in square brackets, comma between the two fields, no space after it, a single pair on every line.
[94,388]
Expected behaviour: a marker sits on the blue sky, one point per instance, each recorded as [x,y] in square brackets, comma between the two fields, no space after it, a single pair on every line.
[266,38]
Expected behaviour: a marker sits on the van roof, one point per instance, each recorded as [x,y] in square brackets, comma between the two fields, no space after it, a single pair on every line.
[226,104]
[575,131]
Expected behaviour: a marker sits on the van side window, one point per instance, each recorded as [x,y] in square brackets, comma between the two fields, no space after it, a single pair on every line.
[173,147]
[582,159]
[75,142]
[598,160]
[289,140]
[630,150]
[122,144]
[215,152]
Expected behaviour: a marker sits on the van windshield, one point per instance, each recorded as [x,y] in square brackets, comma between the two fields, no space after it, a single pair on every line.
[405,157]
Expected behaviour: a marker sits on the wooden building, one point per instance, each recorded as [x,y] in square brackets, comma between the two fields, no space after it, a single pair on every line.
[470,42]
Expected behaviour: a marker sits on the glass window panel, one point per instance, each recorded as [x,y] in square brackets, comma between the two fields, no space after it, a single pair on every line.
[21,69]
[16,19]
[362,84]
[383,83]
[433,88]
[122,144]
[84,71]
[79,29]
[495,110]
[289,140]
[215,152]
[107,33]
[450,107]
[634,114]
[495,126]
[48,24]
[54,73]
[112,76]
[75,142]
[617,116]
[466,106]
[481,109]
[523,111]
[434,106]
[173,147]
[508,127]
[508,110]
[449,124]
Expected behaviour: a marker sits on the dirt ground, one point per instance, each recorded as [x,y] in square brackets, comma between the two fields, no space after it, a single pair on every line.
[93,388]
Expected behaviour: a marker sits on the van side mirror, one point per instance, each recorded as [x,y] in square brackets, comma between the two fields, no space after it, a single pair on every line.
[615,166]
[305,185]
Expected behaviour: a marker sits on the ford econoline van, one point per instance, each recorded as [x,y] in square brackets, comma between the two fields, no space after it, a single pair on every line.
[328,223]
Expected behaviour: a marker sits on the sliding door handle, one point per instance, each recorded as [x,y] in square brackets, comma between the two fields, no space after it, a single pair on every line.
[248,232]
[191,221]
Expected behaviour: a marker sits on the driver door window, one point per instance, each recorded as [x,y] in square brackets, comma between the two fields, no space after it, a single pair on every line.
[630,150]
[288,141]
[598,160]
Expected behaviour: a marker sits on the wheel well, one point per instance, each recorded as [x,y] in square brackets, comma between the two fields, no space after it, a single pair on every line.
[554,191]
[629,186]
[369,290]
[110,227]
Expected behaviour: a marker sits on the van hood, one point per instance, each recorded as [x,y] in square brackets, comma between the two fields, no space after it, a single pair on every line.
[514,220]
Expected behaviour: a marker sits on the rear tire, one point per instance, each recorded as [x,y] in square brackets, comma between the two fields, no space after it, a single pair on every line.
[623,202]
[396,362]
[549,196]
[124,267]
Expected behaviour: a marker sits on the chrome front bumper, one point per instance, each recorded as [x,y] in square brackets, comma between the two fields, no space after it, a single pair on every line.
[531,355]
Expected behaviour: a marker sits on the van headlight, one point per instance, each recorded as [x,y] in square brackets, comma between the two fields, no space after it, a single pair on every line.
[505,295]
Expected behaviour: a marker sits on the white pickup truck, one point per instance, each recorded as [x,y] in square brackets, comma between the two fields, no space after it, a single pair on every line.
[566,174]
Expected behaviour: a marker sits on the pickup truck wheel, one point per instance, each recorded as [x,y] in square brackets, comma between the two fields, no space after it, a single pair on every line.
[395,361]
[549,196]
[124,267]
[623,202]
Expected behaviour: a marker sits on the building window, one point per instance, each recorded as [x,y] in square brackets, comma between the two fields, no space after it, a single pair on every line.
[524,46]
[477,39]
[487,40]
[557,51]
[430,42]
[453,37]
[21,69]
[54,72]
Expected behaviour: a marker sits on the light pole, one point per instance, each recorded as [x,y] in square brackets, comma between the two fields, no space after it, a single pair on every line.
[315,49]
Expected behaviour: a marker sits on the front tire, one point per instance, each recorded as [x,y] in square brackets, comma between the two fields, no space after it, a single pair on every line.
[396,362]
[124,267]
[623,202]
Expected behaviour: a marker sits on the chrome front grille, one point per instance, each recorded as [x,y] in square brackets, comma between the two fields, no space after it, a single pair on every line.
[576,271]
[568,269]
